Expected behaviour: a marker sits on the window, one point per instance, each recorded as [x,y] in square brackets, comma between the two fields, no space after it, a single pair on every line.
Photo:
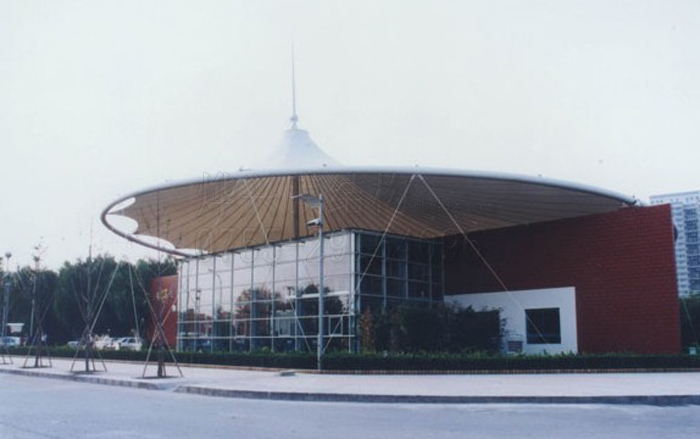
[543,326]
[370,244]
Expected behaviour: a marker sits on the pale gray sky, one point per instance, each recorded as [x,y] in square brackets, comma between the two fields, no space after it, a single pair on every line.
[102,98]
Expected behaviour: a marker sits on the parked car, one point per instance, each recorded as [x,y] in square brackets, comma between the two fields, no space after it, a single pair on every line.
[198,344]
[104,342]
[128,343]
[74,344]
[11,342]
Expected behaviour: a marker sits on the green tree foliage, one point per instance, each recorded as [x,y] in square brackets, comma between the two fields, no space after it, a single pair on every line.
[113,291]
[469,330]
[99,289]
[151,269]
[434,329]
[28,285]
[368,332]
[419,328]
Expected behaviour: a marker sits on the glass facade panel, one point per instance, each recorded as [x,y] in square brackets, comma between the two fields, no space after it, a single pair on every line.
[418,251]
[263,276]
[242,260]
[287,253]
[372,285]
[268,298]
[396,268]
[420,272]
[419,290]
[396,248]
[370,265]
[308,251]
[370,244]
[285,270]
[396,287]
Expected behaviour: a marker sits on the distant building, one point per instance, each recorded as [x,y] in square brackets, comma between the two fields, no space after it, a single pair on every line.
[685,207]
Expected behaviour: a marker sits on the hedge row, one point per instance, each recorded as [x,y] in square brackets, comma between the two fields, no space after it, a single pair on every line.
[419,362]
[253,359]
[474,363]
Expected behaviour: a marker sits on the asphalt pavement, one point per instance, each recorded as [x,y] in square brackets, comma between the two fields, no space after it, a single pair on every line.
[658,388]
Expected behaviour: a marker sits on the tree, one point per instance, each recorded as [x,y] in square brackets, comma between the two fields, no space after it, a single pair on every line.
[411,328]
[109,293]
[37,286]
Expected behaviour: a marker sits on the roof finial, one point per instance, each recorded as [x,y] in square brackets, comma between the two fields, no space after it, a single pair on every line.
[294,117]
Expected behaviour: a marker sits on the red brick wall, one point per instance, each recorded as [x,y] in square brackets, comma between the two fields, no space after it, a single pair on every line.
[622,265]
[167,285]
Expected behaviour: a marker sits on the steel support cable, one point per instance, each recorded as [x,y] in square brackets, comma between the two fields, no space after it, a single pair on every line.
[46,307]
[159,328]
[84,343]
[90,321]
[159,317]
[104,296]
[332,187]
[99,279]
[81,296]
[257,213]
[480,255]
[133,301]
[316,189]
[386,230]
[42,308]
[300,326]
[81,299]
[150,306]
[296,315]
[308,273]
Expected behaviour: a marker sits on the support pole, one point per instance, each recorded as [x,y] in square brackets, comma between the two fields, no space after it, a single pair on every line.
[88,339]
[319,348]
[36,336]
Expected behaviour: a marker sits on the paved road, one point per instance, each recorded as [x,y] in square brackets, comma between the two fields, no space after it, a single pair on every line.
[47,408]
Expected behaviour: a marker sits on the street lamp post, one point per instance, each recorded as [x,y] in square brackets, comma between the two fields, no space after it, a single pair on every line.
[33,312]
[319,348]
[318,222]
[214,317]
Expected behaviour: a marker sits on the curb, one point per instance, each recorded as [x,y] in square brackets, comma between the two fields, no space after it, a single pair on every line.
[656,400]
[86,379]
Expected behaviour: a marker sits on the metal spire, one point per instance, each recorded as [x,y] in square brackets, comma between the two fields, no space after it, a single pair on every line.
[294,117]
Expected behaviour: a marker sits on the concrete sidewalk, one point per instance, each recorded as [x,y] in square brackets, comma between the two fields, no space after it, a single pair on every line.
[670,388]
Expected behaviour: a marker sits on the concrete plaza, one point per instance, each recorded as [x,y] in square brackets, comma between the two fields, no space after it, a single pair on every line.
[667,388]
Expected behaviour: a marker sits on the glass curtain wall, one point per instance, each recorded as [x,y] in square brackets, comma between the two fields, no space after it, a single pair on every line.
[397,271]
[267,297]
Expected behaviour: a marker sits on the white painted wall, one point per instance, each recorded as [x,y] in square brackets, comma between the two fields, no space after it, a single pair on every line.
[513,305]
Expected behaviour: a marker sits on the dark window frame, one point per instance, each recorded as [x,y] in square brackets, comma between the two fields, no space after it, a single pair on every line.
[543,325]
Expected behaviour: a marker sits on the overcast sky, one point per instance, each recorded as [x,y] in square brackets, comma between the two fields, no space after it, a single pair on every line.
[102,98]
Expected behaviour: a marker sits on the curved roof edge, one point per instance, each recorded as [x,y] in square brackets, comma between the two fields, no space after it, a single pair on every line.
[448,172]
[134,238]
[344,170]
